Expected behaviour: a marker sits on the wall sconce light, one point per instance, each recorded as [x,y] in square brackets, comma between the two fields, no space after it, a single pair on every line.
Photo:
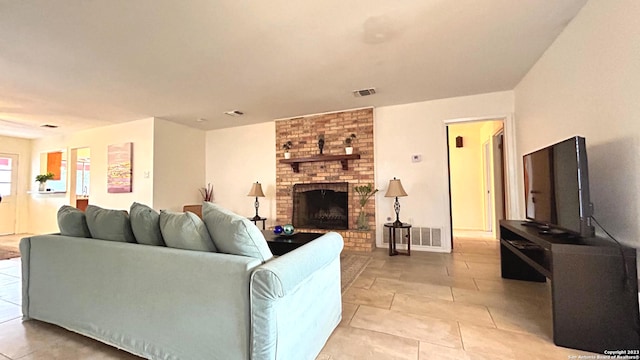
[459,141]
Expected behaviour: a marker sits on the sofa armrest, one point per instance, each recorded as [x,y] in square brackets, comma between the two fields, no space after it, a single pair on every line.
[296,300]
[281,275]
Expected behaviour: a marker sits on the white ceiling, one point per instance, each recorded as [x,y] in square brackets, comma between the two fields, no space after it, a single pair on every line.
[81,64]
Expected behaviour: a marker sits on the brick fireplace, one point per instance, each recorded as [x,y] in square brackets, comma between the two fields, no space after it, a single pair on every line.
[325,185]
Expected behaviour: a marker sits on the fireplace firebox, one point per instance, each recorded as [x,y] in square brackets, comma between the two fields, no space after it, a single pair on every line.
[321,206]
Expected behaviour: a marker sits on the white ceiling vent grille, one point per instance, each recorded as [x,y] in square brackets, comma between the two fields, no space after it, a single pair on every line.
[364,92]
[234,113]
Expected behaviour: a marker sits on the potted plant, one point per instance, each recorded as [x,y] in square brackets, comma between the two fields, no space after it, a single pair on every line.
[287,146]
[348,141]
[42,179]
[365,192]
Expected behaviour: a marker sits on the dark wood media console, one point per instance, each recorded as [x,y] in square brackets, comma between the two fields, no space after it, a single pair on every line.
[594,308]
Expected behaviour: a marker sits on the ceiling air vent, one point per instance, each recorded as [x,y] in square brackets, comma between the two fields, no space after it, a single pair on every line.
[234,113]
[364,92]
[49,126]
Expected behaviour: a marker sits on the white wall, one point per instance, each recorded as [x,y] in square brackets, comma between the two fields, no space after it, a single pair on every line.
[178,165]
[43,208]
[21,147]
[587,83]
[418,128]
[236,158]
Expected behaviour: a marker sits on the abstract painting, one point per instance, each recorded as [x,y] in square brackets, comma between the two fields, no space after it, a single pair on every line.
[119,168]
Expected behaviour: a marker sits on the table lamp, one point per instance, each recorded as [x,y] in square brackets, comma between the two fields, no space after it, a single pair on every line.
[256,190]
[396,190]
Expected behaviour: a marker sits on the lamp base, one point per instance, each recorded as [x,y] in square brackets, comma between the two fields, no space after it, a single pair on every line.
[256,218]
[397,223]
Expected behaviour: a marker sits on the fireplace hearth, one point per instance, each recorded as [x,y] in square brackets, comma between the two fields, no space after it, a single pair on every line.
[321,206]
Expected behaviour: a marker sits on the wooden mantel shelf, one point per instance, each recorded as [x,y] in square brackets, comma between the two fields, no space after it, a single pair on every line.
[295,163]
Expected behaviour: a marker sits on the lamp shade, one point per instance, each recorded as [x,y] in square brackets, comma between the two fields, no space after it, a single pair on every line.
[256,190]
[395,189]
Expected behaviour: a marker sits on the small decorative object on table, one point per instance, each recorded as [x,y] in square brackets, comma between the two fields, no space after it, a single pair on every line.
[348,142]
[278,230]
[42,179]
[287,146]
[288,229]
[207,193]
[365,192]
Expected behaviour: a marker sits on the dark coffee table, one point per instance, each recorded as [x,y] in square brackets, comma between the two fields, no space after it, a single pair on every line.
[282,244]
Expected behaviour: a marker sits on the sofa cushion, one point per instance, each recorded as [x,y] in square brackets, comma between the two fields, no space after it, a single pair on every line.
[234,234]
[145,223]
[185,231]
[107,224]
[72,222]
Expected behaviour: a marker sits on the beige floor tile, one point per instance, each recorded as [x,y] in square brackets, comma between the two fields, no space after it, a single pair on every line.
[373,272]
[486,258]
[436,352]
[412,288]
[515,302]
[417,268]
[363,282]
[442,309]
[7,279]
[356,344]
[376,298]
[422,328]
[488,271]
[515,287]
[18,338]
[9,311]
[348,310]
[459,282]
[376,263]
[14,271]
[79,348]
[11,293]
[531,320]
[8,263]
[512,345]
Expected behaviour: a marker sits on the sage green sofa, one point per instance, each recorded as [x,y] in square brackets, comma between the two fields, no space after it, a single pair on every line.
[166,303]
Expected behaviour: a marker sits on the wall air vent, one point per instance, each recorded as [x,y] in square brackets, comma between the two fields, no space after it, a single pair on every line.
[234,113]
[49,126]
[364,92]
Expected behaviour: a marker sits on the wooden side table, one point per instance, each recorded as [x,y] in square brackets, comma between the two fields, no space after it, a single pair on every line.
[392,238]
[196,209]
[255,221]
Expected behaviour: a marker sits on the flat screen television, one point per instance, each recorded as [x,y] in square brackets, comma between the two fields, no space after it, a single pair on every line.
[556,185]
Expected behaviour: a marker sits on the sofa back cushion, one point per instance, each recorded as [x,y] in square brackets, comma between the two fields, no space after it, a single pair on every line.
[145,223]
[72,222]
[234,234]
[107,224]
[185,231]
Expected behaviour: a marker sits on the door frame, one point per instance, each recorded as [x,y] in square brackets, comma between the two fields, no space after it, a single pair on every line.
[511,191]
[487,171]
[15,178]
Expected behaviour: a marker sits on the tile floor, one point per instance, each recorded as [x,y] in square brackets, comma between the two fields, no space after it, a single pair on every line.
[426,306]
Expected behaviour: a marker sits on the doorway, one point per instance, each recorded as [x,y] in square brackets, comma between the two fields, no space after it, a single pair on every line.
[8,193]
[476,178]
[80,176]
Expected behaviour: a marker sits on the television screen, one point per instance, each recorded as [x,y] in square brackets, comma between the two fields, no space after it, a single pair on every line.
[557,187]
